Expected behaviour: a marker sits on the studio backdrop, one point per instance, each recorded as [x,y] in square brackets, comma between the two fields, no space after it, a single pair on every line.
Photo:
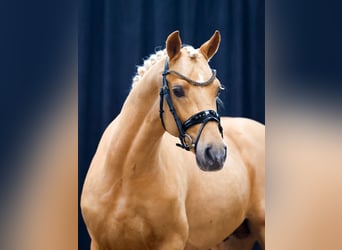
[116,35]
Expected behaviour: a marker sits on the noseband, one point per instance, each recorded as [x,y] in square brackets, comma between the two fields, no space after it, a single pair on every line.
[202,117]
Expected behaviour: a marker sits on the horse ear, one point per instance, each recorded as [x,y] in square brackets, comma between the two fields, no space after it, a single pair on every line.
[210,47]
[173,44]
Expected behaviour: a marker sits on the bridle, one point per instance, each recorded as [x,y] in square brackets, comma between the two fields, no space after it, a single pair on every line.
[202,117]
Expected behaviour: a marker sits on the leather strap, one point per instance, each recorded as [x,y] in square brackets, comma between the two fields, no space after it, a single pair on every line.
[195,83]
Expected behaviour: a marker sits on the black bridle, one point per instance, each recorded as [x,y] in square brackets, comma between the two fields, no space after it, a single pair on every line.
[202,117]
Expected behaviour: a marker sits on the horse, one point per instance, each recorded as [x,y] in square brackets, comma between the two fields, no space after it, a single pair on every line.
[169,172]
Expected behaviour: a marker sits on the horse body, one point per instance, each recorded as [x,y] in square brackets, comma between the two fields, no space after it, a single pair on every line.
[142,192]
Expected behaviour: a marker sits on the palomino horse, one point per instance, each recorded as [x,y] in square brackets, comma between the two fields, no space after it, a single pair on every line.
[143,192]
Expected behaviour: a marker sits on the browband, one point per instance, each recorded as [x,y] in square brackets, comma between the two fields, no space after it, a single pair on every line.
[179,75]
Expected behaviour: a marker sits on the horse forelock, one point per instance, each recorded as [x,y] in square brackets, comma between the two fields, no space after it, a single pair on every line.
[192,52]
[156,57]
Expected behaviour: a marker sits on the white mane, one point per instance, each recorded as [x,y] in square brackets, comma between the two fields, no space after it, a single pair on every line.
[156,57]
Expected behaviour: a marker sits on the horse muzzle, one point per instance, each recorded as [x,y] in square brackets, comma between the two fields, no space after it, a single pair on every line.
[210,157]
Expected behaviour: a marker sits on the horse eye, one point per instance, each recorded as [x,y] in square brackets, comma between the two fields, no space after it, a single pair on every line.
[178,91]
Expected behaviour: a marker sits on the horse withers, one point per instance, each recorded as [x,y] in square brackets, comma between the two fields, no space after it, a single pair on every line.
[144,192]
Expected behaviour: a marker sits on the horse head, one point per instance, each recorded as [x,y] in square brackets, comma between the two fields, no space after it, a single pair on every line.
[190,88]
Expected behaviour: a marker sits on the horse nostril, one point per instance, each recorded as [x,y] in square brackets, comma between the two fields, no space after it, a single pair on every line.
[208,153]
[212,157]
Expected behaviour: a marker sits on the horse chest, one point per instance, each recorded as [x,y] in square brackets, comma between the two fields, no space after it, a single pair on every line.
[217,206]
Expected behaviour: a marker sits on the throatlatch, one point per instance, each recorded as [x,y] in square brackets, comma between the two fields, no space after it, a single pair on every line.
[202,117]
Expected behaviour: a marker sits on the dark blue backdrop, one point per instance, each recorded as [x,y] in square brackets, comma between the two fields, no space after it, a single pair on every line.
[115,36]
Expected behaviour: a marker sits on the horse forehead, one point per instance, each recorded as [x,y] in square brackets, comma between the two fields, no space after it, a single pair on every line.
[200,77]
[200,74]
[197,69]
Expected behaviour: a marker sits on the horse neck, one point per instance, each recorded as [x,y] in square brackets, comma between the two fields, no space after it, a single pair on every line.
[140,131]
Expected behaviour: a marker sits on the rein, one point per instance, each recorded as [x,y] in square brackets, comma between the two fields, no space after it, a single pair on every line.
[202,117]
